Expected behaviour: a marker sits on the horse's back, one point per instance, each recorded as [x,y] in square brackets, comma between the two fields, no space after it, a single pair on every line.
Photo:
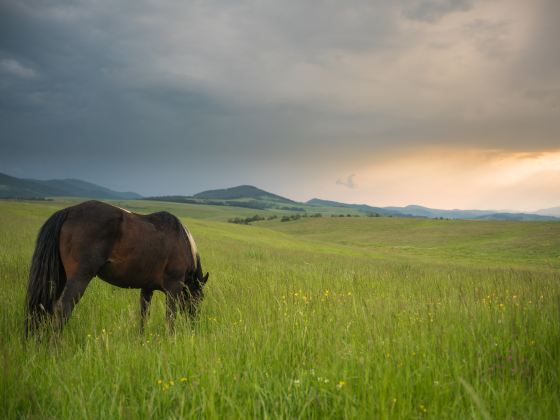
[88,235]
[92,218]
[149,251]
[125,249]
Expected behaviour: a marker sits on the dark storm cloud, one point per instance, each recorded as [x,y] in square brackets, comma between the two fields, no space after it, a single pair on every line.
[175,97]
[538,68]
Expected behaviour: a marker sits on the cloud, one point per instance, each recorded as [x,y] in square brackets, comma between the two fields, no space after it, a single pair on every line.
[347,182]
[433,10]
[12,67]
[462,178]
[203,90]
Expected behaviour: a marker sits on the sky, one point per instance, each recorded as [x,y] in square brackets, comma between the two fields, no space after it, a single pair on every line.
[442,103]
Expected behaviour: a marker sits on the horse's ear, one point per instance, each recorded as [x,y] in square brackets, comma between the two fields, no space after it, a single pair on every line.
[205,278]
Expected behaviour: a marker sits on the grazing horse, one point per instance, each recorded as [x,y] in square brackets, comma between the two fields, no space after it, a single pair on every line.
[147,252]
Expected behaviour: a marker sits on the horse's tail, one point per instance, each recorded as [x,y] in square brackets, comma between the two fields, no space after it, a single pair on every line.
[47,277]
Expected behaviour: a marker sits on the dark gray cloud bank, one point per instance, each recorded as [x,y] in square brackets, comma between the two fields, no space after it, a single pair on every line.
[165,97]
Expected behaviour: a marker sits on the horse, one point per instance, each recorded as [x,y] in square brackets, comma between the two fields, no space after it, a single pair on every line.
[129,250]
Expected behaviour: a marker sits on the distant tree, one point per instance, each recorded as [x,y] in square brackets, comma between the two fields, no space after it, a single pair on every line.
[247,220]
[290,218]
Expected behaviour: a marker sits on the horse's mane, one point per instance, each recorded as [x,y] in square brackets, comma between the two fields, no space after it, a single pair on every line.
[164,219]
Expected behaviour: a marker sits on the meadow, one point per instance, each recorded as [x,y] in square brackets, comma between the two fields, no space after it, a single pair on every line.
[315,318]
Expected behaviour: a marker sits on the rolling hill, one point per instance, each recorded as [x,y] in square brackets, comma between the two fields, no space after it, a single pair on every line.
[251,197]
[246,196]
[242,192]
[420,211]
[364,208]
[398,307]
[12,187]
[552,211]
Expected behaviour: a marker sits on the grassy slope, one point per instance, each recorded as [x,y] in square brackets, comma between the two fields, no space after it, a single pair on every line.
[317,317]
[497,243]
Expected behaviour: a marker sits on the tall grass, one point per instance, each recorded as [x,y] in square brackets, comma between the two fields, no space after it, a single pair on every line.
[294,327]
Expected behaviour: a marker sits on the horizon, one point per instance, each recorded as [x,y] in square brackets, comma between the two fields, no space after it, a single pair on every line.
[304,200]
[451,104]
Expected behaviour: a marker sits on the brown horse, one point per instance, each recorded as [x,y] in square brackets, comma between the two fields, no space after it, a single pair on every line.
[147,252]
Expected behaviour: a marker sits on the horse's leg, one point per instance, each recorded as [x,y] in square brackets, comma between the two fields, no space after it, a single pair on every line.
[73,291]
[145,299]
[173,298]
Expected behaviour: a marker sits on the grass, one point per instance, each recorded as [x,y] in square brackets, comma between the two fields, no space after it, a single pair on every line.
[328,317]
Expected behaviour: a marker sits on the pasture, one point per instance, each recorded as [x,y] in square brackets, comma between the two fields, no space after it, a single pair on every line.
[314,318]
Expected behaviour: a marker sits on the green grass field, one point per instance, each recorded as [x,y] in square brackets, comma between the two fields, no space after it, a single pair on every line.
[314,318]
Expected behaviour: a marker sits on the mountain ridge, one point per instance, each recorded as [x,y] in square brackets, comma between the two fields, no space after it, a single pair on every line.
[253,197]
[414,210]
[551,211]
[249,196]
[241,191]
[23,188]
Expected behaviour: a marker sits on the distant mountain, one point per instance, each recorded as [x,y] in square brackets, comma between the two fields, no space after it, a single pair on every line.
[420,211]
[12,187]
[241,192]
[246,196]
[252,197]
[515,216]
[552,211]
[415,210]
[361,207]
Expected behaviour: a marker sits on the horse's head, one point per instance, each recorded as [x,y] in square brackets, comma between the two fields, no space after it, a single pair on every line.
[194,288]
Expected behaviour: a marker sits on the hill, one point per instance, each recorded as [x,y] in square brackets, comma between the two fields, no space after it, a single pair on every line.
[552,211]
[375,317]
[242,192]
[246,196]
[420,211]
[364,208]
[12,187]
[250,197]
[515,216]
